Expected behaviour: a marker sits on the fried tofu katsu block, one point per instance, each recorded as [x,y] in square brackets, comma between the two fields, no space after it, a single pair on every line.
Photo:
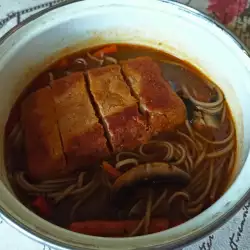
[125,127]
[164,107]
[42,140]
[82,135]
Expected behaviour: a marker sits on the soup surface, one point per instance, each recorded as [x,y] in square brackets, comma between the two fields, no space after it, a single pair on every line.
[120,140]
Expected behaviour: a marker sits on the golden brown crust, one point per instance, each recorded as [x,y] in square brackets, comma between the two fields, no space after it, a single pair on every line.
[127,129]
[166,110]
[110,90]
[125,126]
[43,145]
[77,121]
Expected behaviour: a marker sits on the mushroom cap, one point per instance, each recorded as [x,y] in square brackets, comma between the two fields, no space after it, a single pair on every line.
[151,171]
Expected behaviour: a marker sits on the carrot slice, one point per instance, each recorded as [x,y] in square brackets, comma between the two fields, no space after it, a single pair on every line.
[106,50]
[42,206]
[177,223]
[63,63]
[111,170]
[115,228]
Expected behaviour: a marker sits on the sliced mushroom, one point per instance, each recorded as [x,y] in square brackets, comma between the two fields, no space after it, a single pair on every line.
[211,121]
[202,119]
[151,172]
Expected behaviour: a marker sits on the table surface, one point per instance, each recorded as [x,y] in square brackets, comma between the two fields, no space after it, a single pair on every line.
[235,14]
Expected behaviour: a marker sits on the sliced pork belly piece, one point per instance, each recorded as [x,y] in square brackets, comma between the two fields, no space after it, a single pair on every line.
[125,127]
[82,135]
[43,145]
[165,108]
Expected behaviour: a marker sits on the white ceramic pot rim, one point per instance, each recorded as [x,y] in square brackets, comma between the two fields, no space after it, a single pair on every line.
[185,240]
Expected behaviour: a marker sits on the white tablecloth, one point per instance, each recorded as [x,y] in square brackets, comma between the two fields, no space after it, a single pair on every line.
[235,233]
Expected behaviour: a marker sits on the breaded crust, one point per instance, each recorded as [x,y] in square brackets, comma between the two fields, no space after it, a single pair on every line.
[43,145]
[82,135]
[125,127]
[165,108]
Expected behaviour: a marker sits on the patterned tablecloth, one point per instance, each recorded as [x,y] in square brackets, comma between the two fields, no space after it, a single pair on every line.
[235,14]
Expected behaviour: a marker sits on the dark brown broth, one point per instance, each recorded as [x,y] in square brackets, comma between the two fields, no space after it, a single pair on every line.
[99,206]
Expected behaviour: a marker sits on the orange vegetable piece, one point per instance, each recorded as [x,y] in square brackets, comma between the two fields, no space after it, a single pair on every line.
[115,228]
[63,63]
[42,206]
[106,50]
[177,223]
[111,170]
